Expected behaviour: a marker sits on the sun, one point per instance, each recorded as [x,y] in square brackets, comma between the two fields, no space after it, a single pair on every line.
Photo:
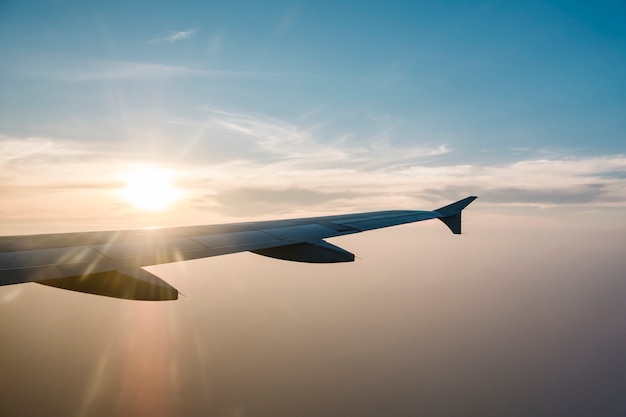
[150,189]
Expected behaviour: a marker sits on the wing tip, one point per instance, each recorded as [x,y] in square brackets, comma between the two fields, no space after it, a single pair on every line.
[451,214]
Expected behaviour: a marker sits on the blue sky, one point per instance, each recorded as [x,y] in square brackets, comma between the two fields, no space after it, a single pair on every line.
[244,97]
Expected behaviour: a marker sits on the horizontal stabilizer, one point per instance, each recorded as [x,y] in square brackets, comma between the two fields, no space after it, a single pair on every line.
[451,214]
[311,252]
[136,284]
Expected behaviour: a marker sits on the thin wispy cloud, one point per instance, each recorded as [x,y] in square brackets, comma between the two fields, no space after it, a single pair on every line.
[110,70]
[294,146]
[174,37]
[287,21]
[215,44]
[79,71]
[18,153]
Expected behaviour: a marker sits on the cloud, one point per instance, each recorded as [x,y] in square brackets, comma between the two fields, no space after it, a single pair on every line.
[174,37]
[110,70]
[122,70]
[541,196]
[79,71]
[17,153]
[292,146]
[255,201]
[215,44]
[287,21]
[281,168]
[282,155]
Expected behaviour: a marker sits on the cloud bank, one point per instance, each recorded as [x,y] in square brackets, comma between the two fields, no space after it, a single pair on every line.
[233,165]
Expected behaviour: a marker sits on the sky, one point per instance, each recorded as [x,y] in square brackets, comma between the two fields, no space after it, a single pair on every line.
[285,108]
[241,111]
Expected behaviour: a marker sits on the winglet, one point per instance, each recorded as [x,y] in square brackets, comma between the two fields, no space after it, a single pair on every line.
[451,214]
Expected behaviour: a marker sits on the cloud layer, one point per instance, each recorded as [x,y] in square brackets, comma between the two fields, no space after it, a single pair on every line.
[262,166]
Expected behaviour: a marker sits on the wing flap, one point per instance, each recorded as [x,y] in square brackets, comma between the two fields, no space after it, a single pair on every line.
[310,252]
[137,284]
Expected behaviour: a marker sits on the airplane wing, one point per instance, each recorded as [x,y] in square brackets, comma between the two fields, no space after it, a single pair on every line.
[110,263]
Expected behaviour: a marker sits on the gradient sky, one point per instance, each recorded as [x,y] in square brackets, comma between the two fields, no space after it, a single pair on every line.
[287,109]
[267,109]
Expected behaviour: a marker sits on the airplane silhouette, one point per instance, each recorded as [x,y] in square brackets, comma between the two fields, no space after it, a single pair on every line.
[110,263]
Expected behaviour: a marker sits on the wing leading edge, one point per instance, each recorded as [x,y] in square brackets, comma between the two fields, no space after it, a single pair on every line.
[110,263]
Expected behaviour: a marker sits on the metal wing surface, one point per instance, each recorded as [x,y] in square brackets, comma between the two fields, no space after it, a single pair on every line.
[110,263]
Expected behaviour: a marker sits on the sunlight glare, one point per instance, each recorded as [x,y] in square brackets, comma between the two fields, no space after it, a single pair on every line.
[150,189]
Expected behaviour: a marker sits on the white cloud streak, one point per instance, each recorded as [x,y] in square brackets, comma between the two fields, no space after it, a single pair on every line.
[111,70]
[68,71]
[174,37]
[292,146]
